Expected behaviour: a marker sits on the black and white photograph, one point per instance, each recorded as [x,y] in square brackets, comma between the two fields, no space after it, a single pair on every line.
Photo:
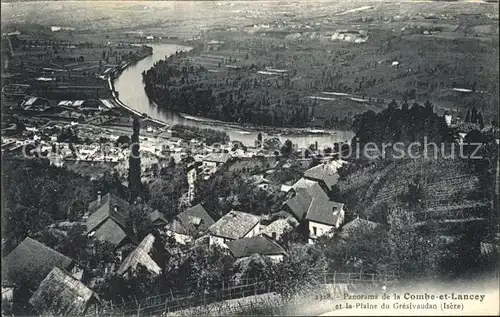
[250,158]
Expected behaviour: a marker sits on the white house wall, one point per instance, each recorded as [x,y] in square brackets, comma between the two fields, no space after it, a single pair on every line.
[219,241]
[321,229]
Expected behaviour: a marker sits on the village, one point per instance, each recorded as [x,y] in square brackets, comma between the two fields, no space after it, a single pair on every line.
[221,189]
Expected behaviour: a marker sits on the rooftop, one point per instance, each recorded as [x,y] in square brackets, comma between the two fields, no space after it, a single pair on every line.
[32,259]
[324,211]
[141,255]
[256,245]
[109,206]
[157,216]
[217,157]
[194,219]
[326,172]
[61,294]
[111,232]
[234,225]
[301,202]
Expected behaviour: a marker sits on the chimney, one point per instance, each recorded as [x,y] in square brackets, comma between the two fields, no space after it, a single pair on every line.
[99,197]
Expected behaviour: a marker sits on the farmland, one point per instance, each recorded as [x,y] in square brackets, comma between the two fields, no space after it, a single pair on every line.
[321,70]
[340,47]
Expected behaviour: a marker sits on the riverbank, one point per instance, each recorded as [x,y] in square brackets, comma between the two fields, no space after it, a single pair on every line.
[117,100]
[128,86]
[244,127]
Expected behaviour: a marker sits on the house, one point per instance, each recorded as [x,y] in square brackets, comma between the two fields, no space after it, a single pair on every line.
[192,221]
[298,204]
[260,181]
[303,183]
[300,199]
[189,224]
[214,161]
[261,245]
[165,134]
[35,103]
[355,225]
[157,219]
[7,294]
[272,144]
[325,174]
[278,227]
[323,216]
[140,256]
[233,226]
[108,222]
[34,260]
[312,189]
[175,141]
[61,294]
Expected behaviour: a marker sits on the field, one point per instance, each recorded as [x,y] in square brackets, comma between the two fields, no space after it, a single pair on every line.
[345,46]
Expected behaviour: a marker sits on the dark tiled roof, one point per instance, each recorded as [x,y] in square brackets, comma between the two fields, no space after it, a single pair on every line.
[256,245]
[33,259]
[111,232]
[234,225]
[93,205]
[195,219]
[314,190]
[106,209]
[324,211]
[157,216]
[61,294]
[299,204]
[323,172]
[198,211]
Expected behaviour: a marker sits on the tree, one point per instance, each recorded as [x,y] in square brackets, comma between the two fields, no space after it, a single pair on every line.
[468,116]
[259,139]
[122,141]
[495,122]
[204,269]
[480,120]
[165,192]
[297,272]
[287,148]
[255,267]
[414,255]
[134,175]
[134,287]
[139,221]
[363,250]
[473,116]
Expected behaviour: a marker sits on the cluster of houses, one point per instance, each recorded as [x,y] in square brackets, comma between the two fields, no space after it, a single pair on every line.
[309,200]
[242,235]
[71,107]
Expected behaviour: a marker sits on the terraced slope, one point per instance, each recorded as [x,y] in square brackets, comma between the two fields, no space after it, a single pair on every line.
[447,190]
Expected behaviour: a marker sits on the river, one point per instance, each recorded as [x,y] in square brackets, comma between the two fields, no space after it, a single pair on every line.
[131,92]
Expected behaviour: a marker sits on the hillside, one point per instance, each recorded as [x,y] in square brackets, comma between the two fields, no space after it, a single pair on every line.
[440,189]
